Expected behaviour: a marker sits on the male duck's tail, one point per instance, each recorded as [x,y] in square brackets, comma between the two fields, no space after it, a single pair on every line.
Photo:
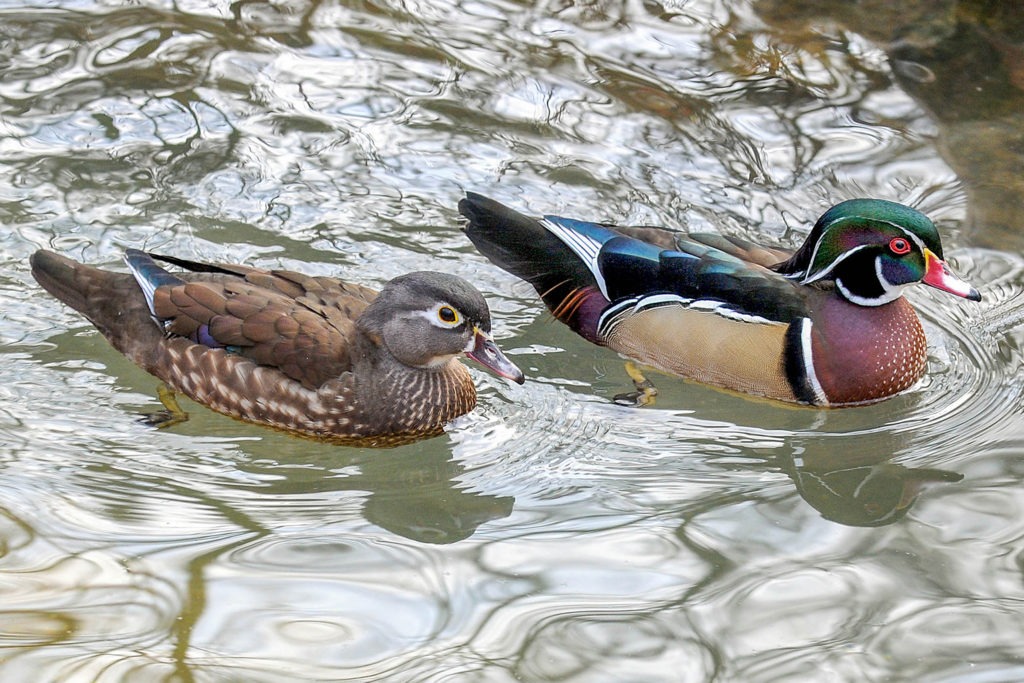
[558,256]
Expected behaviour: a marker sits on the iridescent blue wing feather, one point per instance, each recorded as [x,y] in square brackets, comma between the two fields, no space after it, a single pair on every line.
[149,275]
[629,267]
[702,271]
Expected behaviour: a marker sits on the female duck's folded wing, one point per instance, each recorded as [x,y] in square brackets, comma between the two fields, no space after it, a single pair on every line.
[312,289]
[300,325]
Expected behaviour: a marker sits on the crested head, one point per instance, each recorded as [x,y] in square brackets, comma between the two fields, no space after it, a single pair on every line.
[425,319]
[413,291]
[873,249]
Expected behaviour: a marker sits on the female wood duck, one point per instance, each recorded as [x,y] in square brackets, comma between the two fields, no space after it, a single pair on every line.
[825,326]
[312,355]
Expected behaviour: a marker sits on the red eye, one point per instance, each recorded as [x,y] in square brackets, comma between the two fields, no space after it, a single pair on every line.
[898,245]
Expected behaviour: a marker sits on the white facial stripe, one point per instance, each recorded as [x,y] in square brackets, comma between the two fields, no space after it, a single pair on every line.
[471,344]
[913,238]
[891,291]
[831,266]
[886,285]
[430,315]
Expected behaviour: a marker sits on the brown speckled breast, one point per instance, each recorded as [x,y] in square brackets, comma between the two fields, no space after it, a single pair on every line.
[863,354]
[375,404]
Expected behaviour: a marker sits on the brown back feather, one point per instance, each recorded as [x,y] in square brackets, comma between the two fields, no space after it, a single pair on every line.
[302,325]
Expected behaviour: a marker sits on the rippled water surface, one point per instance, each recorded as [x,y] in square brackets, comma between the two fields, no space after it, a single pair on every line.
[551,535]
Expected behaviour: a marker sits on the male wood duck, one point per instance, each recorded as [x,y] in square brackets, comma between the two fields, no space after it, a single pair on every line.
[825,326]
[312,355]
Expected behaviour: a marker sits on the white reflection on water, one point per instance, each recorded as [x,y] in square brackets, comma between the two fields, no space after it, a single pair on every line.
[552,535]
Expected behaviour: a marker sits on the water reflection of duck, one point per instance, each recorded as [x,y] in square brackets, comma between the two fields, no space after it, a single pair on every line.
[826,325]
[416,491]
[423,500]
[861,494]
[312,355]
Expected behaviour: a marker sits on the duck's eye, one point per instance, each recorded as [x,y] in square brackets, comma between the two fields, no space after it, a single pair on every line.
[447,315]
[899,246]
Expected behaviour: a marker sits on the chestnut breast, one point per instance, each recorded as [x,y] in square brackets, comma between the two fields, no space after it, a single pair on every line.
[862,353]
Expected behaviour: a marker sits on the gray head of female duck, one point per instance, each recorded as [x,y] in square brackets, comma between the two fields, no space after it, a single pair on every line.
[425,319]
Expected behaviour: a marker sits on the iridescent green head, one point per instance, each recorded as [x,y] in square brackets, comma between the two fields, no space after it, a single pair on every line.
[872,249]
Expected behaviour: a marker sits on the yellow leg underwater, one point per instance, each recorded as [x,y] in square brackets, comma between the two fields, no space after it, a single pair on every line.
[172,413]
[645,390]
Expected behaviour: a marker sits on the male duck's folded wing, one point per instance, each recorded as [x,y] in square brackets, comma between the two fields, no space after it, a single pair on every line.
[700,273]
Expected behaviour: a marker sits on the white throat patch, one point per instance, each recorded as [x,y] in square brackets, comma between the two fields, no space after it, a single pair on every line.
[891,292]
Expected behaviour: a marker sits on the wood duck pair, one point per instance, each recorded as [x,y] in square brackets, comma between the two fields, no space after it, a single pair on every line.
[824,326]
[312,355]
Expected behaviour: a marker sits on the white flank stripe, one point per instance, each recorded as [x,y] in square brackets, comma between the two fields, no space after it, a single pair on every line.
[718,307]
[808,355]
[613,315]
[744,317]
[587,248]
[608,320]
